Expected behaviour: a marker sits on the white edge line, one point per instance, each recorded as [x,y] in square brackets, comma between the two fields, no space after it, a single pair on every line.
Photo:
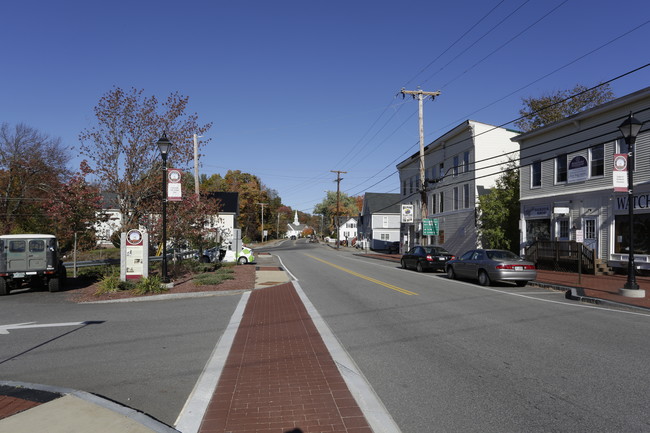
[372,407]
[191,416]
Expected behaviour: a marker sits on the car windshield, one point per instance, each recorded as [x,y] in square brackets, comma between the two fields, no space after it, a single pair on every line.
[502,255]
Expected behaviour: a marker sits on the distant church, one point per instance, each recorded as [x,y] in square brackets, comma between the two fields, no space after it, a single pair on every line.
[295,229]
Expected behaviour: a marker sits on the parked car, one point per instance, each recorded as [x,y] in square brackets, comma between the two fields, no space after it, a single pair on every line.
[245,255]
[487,266]
[426,258]
[32,259]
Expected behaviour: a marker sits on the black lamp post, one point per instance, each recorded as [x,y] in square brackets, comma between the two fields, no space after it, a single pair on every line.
[630,129]
[164,144]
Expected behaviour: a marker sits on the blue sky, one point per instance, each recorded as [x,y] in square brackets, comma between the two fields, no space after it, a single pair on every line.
[296,89]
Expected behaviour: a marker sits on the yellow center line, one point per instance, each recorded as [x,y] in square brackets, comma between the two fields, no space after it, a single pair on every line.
[381,283]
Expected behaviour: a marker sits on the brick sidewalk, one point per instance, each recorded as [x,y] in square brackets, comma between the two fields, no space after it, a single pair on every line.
[279,375]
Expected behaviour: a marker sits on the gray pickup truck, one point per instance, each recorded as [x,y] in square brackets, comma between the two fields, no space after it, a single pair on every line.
[32,259]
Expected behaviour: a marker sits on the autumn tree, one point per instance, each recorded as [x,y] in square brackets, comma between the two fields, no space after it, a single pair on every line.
[122,151]
[552,107]
[75,210]
[498,212]
[31,166]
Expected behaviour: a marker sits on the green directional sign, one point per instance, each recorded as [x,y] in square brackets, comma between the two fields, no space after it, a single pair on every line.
[430,226]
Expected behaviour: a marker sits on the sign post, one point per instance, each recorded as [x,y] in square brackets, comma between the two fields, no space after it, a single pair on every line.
[134,258]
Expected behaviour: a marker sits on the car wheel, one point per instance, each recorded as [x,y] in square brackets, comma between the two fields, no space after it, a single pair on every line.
[419,267]
[403,263]
[521,283]
[483,278]
[242,261]
[450,273]
[54,285]
[3,287]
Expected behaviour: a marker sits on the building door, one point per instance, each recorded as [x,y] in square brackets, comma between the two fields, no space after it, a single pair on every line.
[562,229]
[589,227]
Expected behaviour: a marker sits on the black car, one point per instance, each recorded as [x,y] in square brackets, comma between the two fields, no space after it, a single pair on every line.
[425,258]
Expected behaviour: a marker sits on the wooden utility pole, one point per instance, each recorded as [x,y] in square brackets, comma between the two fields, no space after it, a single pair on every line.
[196,165]
[338,202]
[420,95]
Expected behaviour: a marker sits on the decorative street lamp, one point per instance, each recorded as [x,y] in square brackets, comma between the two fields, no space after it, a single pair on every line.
[164,145]
[630,129]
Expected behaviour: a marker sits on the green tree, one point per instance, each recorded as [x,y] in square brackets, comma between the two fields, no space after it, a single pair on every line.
[498,221]
[347,207]
[552,107]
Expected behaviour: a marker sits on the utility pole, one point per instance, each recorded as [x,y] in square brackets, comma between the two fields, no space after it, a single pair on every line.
[338,202]
[420,95]
[196,165]
[262,204]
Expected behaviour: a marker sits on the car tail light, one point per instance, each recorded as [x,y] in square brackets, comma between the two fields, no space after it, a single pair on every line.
[515,266]
[429,258]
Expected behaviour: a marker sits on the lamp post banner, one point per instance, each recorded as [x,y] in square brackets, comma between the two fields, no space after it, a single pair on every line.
[620,172]
[174,188]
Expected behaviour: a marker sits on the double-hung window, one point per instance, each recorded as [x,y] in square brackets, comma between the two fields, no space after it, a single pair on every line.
[465,162]
[561,168]
[536,174]
[597,160]
[466,196]
[456,165]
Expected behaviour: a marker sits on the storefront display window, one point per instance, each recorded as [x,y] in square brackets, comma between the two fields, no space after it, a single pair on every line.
[641,233]
[538,230]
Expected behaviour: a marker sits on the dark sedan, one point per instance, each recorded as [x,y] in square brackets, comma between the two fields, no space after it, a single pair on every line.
[426,258]
[487,266]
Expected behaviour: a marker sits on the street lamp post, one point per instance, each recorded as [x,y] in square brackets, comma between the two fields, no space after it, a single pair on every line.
[164,144]
[630,129]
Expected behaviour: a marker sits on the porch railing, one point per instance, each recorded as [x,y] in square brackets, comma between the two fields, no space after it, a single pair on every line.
[564,256]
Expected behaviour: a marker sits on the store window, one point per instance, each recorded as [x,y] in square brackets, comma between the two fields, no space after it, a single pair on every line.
[641,234]
[538,230]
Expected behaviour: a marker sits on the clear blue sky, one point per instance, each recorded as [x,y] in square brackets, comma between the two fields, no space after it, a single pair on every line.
[298,88]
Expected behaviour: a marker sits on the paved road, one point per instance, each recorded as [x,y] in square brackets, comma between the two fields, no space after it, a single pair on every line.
[147,355]
[453,356]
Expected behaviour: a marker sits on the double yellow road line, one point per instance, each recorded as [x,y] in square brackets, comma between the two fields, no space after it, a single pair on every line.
[381,283]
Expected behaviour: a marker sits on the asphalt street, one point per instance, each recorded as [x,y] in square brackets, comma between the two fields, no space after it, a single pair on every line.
[454,356]
[146,355]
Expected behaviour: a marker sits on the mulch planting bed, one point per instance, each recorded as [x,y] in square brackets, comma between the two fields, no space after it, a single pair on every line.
[83,290]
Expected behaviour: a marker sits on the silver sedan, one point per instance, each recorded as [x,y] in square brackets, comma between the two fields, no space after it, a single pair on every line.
[487,266]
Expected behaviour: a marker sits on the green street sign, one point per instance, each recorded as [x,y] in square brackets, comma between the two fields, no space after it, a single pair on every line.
[430,227]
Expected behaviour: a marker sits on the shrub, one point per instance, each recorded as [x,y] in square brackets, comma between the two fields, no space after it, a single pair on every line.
[209,279]
[111,283]
[151,284]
